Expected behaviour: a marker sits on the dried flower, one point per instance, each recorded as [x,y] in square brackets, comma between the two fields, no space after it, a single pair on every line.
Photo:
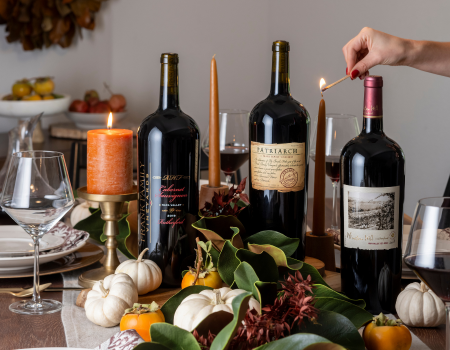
[227,204]
[204,342]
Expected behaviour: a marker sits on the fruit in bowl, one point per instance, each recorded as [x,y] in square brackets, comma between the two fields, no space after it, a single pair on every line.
[91,103]
[26,90]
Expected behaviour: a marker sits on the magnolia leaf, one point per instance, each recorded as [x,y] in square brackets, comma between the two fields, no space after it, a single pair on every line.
[227,263]
[184,272]
[219,229]
[276,253]
[336,328]
[214,323]
[354,313]
[124,233]
[299,341]
[245,277]
[240,306]
[173,337]
[277,239]
[320,291]
[263,264]
[150,346]
[93,224]
[267,292]
[171,305]
[324,346]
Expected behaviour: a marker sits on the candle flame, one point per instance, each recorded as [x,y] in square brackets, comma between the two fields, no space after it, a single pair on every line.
[110,120]
[322,83]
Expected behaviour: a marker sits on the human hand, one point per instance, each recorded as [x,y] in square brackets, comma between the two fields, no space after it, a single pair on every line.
[372,47]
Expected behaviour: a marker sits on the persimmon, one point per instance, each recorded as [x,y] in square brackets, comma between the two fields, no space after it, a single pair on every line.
[385,334]
[212,279]
[44,86]
[140,318]
[21,88]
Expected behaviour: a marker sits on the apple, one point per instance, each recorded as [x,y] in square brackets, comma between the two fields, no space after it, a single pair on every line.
[79,106]
[89,94]
[117,102]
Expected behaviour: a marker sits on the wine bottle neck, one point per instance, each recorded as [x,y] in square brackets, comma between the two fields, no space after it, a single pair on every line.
[168,97]
[280,84]
[373,109]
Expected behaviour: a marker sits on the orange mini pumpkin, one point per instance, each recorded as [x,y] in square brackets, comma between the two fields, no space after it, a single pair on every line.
[140,317]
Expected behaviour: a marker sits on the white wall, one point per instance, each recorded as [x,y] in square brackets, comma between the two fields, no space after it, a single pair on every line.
[131,34]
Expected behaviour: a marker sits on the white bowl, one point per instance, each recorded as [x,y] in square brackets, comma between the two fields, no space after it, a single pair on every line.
[28,109]
[94,120]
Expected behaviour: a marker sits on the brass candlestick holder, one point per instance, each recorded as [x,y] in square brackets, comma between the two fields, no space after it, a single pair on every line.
[112,208]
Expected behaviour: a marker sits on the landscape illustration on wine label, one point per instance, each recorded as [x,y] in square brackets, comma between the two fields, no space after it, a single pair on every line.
[371,217]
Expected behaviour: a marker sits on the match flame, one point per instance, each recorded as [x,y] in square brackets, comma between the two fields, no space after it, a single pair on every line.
[322,83]
[110,120]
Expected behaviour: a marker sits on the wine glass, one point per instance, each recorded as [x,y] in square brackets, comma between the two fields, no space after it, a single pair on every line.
[37,194]
[339,129]
[428,249]
[233,140]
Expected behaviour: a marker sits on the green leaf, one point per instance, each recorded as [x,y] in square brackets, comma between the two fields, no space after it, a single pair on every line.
[150,346]
[324,346]
[219,229]
[321,291]
[215,256]
[174,338]
[240,306]
[228,263]
[171,305]
[93,224]
[267,292]
[297,341]
[355,314]
[276,253]
[124,233]
[214,323]
[263,264]
[336,328]
[184,272]
[308,269]
[277,239]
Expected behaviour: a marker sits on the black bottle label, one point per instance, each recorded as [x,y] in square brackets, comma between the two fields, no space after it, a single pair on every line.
[371,217]
[279,167]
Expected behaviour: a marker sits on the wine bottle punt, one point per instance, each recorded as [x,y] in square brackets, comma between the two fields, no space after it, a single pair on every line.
[168,180]
[279,156]
[372,193]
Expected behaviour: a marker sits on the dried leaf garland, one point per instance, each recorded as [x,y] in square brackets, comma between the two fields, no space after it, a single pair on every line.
[43,23]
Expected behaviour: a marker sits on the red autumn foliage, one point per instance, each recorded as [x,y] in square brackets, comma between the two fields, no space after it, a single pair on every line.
[226,204]
[204,342]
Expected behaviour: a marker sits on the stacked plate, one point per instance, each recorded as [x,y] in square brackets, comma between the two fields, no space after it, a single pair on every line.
[17,249]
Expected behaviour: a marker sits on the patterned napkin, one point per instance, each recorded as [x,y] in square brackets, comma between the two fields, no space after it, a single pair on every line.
[125,340]
[72,238]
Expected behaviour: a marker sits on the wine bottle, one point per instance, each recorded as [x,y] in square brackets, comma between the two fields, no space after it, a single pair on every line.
[372,193]
[279,157]
[168,180]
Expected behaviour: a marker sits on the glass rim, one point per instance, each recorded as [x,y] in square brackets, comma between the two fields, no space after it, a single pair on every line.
[44,154]
[423,202]
[340,116]
[233,111]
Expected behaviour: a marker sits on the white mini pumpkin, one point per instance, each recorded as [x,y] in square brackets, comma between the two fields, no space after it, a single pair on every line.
[194,308]
[81,212]
[146,274]
[418,306]
[108,299]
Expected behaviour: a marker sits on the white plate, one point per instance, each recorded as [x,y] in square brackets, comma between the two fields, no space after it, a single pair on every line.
[93,120]
[15,241]
[28,109]
[26,262]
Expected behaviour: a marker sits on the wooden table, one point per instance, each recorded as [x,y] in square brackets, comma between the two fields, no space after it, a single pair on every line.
[18,331]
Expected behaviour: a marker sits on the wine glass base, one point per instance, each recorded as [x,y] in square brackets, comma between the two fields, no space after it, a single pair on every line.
[28,307]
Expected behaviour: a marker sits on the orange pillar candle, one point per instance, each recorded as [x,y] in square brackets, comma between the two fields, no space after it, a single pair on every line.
[214,151]
[318,226]
[110,161]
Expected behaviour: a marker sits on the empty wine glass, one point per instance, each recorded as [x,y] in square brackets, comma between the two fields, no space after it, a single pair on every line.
[428,249]
[37,194]
[233,140]
[339,129]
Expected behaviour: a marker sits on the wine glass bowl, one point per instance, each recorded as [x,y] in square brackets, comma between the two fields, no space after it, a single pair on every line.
[233,140]
[339,129]
[36,194]
[427,252]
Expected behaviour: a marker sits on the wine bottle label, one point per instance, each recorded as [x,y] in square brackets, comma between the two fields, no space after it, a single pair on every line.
[371,217]
[279,167]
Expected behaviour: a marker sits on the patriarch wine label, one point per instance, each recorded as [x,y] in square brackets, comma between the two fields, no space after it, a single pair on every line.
[279,167]
[371,217]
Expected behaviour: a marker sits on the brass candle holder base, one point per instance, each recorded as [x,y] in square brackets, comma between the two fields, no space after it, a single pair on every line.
[322,248]
[207,193]
[112,208]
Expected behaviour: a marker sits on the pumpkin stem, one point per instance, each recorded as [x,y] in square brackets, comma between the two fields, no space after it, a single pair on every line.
[199,261]
[217,298]
[139,259]
[423,287]
[104,291]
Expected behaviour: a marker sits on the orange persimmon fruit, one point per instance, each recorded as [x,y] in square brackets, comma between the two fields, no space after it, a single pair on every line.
[385,334]
[212,279]
[140,318]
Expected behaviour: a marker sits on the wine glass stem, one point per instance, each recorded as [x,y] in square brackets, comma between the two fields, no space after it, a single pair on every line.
[36,295]
[335,214]
[447,321]
[228,179]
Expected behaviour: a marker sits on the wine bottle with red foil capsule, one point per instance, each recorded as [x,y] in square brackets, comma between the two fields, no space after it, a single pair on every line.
[168,177]
[372,194]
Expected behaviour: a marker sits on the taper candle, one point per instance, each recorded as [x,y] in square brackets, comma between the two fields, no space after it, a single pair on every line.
[110,161]
[214,151]
[318,226]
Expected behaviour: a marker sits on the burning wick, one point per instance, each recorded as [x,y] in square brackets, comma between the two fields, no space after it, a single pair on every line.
[110,121]
[322,83]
